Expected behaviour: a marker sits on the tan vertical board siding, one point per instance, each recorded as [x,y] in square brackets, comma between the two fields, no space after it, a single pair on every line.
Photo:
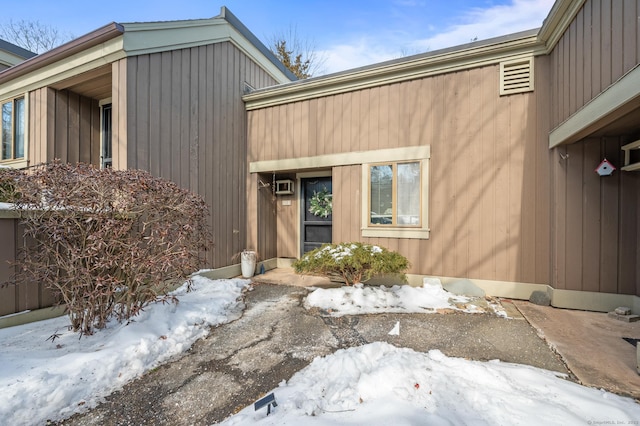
[600,45]
[66,126]
[542,176]
[119,114]
[185,121]
[487,160]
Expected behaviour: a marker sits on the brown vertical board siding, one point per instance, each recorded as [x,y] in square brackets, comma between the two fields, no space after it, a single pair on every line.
[587,50]
[617,31]
[187,123]
[61,125]
[85,140]
[591,212]
[630,16]
[605,46]
[73,129]
[574,220]
[139,124]
[164,125]
[154,120]
[609,213]
[572,68]
[600,45]
[628,243]
[8,250]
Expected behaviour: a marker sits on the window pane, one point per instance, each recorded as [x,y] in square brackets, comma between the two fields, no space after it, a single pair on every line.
[19,129]
[106,136]
[381,211]
[408,194]
[6,130]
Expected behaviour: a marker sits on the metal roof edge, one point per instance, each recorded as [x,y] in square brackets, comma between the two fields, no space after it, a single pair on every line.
[16,50]
[228,16]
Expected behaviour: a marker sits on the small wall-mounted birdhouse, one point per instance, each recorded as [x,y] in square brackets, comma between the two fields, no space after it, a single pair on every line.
[605,168]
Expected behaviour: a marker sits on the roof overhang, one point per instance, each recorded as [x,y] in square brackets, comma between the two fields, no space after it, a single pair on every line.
[472,55]
[83,63]
[615,111]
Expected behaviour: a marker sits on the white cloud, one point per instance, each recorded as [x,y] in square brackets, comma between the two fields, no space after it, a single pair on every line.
[480,23]
[495,21]
[357,53]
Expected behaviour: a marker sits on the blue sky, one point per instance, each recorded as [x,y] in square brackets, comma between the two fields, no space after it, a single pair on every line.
[346,33]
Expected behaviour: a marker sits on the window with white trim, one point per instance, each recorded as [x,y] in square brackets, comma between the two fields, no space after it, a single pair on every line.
[13,129]
[395,198]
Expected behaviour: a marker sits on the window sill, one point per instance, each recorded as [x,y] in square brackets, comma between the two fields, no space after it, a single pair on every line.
[413,233]
[20,163]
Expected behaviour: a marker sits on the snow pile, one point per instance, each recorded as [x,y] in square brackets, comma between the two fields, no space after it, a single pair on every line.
[379,384]
[43,379]
[361,299]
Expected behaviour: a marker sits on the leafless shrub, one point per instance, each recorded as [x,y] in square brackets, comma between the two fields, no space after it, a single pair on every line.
[107,242]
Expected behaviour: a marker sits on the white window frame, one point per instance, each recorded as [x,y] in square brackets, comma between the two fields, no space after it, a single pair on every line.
[20,162]
[403,231]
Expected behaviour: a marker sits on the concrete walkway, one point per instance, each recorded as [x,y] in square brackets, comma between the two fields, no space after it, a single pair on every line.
[591,344]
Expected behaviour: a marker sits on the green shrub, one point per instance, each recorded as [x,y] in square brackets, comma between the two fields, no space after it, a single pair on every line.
[354,262]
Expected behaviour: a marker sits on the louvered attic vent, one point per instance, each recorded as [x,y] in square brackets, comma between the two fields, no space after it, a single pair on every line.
[516,76]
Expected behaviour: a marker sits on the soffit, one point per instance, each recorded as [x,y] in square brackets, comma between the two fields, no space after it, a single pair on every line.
[613,112]
[94,84]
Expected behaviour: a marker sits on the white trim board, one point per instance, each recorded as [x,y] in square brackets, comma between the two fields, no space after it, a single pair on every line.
[618,99]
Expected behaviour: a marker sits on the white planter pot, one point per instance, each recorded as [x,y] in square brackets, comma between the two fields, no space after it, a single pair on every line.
[248,263]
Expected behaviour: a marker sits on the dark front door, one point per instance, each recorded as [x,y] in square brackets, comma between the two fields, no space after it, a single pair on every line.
[316,229]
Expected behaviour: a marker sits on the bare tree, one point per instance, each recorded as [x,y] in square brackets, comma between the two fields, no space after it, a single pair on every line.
[33,35]
[298,54]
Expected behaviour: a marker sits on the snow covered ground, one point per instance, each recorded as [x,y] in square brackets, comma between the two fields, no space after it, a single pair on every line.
[375,384]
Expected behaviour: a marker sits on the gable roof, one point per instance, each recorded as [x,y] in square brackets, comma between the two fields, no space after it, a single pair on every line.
[10,54]
[116,41]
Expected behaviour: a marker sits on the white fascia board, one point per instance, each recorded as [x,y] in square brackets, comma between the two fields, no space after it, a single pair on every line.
[9,59]
[145,38]
[94,57]
[593,115]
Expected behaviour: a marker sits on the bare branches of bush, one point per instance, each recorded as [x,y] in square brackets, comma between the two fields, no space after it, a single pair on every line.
[108,242]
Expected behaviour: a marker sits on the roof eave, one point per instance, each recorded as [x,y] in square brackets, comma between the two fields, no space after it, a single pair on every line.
[437,62]
[79,44]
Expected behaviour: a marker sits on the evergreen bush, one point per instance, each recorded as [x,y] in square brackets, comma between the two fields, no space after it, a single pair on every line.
[353,262]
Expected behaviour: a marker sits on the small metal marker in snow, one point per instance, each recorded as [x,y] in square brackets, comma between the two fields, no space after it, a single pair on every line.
[395,331]
[269,400]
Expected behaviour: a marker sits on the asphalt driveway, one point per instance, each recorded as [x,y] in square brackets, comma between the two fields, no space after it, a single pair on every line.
[276,337]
